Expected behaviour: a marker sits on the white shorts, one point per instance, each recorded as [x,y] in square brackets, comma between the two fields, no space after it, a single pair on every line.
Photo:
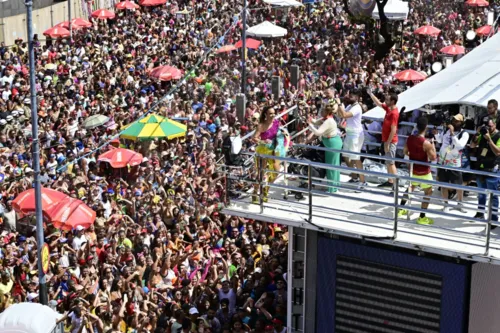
[354,144]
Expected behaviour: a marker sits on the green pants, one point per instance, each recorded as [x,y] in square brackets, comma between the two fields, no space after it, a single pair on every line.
[333,159]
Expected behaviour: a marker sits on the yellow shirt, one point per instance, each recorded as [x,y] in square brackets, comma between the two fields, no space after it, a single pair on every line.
[5,289]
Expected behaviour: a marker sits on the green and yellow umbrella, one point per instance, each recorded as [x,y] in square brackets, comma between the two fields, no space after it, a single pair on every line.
[152,127]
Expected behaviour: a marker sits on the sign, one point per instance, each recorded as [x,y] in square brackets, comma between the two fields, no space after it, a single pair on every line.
[45,258]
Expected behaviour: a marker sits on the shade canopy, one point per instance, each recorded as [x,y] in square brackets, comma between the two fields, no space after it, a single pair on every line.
[395,10]
[453,50]
[428,30]
[166,73]
[226,48]
[284,3]
[121,157]
[266,29]
[410,75]
[250,43]
[485,30]
[103,14]
[154,126]
[127,5]
[57,32]
[69,213]
[95,121]
[477,3]
[472,80]
[28,318]
[24,203]
[150,3]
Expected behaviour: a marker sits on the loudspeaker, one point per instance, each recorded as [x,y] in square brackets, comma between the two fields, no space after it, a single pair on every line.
[295,75]
[241,108]
[276,87]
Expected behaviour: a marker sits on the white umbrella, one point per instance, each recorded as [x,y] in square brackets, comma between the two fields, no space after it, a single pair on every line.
[95,121]
[284,3]
[266,29]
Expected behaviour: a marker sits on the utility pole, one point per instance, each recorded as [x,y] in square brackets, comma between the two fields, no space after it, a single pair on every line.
[36,156]
[244,49]
[69,22]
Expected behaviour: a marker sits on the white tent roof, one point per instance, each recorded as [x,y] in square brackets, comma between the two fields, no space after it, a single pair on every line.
[284,3]
[396,10]
[266,29]
[28,318]
[472,80]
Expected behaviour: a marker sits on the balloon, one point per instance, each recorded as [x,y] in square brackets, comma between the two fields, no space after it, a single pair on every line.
[362,7]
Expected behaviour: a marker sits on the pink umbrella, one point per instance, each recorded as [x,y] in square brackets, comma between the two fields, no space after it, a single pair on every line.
[250,44]
[410,75]
[150,3]
[103,14]
[77,23]
[121,157]
[477,3]
[166,73]
[485,30]
[127,5]
[453,50]
[57,32]
[427,30]
[226,48]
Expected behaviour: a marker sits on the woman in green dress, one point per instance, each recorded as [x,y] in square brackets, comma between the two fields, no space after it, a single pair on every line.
[330,135]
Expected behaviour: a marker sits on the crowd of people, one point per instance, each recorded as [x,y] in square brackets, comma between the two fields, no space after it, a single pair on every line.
[162,256]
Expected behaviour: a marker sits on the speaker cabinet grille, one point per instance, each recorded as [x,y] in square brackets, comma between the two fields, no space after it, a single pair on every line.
[379,298]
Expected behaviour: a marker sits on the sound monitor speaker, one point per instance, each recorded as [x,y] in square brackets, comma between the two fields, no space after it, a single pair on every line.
[241,108]
[276,87]
[294,69]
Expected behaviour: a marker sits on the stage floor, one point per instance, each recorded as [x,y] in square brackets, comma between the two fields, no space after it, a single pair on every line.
[354,216]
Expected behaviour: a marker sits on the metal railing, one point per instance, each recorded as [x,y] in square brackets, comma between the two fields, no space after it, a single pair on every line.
[312,183]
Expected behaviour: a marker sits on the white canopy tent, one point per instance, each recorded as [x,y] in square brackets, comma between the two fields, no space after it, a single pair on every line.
[395,10]
[28,318]
[266,29]
[284,3]
[472,80]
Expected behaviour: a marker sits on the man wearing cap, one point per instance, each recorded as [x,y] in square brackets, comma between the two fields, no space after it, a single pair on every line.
[453,142]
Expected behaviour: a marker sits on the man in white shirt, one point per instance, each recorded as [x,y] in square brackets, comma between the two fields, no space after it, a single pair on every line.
[79,238]
[354,139]
[453,143]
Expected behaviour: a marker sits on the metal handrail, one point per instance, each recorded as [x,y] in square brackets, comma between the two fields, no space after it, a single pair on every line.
[396,195]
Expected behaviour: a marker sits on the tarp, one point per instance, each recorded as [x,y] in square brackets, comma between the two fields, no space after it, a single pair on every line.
[395,10]
[28,318]
[266,29]
[472,80]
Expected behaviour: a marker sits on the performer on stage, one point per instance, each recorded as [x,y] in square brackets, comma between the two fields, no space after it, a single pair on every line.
[271,140]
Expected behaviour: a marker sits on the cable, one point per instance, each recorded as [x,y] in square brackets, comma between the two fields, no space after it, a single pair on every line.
[161,100]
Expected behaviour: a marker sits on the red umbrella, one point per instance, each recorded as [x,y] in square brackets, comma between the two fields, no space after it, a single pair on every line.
[57,32]
[69,213]
[103,14]
[152,2]
[166,73]
[477,3]
[24,203]
[410,75]
[226,48]
[250,44]
[427,30]
[484,30]
[453,50]
[127,5]
[77,23]
[120,157]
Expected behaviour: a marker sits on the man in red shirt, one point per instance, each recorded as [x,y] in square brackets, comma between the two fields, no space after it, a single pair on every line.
[389,131]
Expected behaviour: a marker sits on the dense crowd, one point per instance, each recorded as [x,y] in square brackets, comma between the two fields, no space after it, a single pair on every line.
[161,255]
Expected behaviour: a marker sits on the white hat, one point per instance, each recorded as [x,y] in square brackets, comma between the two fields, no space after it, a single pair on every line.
[3,121]
[193,311]
[79,228]
[14,113]
[32,296]
[9,118]
[28,169]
